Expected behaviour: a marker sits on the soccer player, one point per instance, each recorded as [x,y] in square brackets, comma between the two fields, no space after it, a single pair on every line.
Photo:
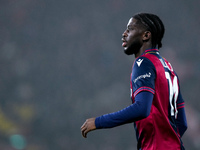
[157,108]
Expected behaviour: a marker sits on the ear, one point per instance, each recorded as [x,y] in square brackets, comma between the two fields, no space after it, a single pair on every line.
[146,36]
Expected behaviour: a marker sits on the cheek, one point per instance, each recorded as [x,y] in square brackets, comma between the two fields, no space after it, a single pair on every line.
[131,38]
[135,38]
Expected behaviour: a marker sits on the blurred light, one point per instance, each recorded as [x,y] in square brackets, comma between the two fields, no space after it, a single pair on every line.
[18,141]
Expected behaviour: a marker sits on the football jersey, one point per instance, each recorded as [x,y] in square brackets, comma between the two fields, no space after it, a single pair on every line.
[154,74]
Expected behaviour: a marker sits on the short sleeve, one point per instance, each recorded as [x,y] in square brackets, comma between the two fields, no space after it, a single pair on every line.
[143,76]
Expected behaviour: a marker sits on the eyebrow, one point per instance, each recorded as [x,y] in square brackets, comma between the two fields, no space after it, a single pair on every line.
[130,25]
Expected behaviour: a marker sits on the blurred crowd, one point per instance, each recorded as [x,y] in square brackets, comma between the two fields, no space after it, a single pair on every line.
[62,62]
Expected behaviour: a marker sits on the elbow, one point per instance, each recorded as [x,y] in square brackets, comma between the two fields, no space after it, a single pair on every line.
[182,129]
[185,127]
[143,111]
[144,114]
[146,111]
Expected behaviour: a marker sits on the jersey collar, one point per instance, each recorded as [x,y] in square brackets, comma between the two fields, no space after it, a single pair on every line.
[150,51]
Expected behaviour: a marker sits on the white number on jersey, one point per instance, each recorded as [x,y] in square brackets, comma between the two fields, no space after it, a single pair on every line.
[173,93]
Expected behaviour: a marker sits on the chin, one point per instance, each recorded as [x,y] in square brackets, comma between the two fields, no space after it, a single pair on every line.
[132,49]
[128,51]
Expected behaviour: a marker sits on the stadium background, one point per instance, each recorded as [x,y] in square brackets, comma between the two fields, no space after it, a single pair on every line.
[62,62]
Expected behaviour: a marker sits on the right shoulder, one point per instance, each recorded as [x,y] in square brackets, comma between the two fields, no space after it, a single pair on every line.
[142,64]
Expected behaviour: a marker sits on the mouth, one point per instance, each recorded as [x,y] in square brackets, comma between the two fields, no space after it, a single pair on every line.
[124,43]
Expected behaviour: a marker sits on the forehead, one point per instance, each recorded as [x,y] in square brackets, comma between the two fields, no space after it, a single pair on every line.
[137,24]
[132,21]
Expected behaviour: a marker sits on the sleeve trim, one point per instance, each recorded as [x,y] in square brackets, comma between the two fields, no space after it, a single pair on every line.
[181,105]
[144,88]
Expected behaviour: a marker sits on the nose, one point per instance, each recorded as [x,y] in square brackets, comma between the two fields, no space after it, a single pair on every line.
[124,34]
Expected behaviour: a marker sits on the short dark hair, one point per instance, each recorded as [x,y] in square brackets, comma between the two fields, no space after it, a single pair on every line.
[154,24]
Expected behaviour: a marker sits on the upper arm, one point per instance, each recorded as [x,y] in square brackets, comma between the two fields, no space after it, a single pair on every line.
[143,76]
[181,121]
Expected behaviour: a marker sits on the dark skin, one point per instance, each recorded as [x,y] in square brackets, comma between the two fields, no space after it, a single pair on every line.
[136,39]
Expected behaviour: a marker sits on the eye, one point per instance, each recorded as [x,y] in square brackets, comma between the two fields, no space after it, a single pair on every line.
[130,28]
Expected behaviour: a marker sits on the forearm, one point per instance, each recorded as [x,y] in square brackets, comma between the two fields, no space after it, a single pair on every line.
[138,110]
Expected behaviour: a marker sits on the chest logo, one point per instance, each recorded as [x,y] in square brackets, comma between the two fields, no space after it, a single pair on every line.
[139,62]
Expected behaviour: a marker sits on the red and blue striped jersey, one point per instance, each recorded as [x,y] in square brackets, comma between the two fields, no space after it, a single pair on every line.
[160,130]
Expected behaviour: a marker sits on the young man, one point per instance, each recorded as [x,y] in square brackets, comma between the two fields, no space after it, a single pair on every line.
[158,108]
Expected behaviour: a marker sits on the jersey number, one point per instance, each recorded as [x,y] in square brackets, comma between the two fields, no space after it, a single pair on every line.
[173,94]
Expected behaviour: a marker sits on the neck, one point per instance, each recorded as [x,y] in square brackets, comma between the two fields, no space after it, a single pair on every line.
[142,50]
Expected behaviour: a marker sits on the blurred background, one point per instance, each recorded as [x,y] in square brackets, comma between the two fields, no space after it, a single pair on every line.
[61,62]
